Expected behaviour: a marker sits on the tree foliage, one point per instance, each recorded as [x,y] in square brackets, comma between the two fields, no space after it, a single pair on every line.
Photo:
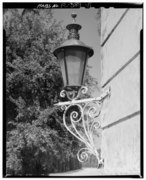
[37,141]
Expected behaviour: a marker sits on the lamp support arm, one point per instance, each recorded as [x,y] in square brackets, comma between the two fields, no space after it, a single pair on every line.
[99,99]
[81,119]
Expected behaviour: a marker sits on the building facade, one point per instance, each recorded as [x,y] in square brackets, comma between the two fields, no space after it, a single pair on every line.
[121,46]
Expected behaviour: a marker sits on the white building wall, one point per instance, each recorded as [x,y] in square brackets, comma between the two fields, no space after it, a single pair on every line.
[121,141]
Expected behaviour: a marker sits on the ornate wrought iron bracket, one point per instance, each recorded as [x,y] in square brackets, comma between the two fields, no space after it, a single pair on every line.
[80,118]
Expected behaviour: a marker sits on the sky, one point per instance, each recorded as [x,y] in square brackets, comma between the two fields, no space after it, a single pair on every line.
[87,18]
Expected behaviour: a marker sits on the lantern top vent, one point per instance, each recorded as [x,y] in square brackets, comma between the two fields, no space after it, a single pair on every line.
[73,28]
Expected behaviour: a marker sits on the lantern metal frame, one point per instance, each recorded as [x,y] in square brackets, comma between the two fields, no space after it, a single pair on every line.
[74,43]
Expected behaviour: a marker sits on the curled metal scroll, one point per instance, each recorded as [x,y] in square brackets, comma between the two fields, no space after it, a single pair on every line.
[83,154]
[73,94]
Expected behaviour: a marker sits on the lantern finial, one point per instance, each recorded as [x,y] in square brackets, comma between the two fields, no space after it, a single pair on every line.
[74,15]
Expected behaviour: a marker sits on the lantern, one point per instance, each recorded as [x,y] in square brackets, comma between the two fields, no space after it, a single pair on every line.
[73,56]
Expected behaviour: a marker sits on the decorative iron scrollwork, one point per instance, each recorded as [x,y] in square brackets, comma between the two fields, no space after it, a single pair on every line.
[73,93]
[80,118]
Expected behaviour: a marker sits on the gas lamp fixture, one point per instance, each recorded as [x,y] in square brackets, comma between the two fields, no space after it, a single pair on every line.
[80,115]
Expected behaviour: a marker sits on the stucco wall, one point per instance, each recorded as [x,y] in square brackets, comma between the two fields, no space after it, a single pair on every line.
[120,59]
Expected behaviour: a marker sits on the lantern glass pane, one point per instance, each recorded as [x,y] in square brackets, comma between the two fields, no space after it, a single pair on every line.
[75,58]
[61,60]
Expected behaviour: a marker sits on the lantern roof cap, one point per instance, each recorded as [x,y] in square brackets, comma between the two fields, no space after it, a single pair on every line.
[73,39]
[74,43]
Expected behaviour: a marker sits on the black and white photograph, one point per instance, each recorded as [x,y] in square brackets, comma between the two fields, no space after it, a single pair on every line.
[72,89]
